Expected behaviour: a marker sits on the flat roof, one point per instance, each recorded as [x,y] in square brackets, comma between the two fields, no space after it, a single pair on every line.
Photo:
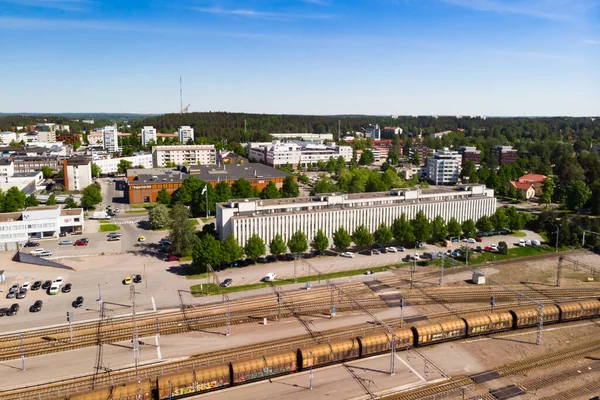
[34,208]
[6,217]
[26,174]
[79,160]
[71,211]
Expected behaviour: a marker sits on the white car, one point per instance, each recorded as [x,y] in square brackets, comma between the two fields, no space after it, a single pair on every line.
[470,240]
[416,257]
[347,254]
[528,243]
[391,249]
[59,280]
[26,286]
[535,243]
[400,248]
[37,252]
[494,247]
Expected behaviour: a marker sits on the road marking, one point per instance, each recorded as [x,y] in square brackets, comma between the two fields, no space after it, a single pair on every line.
[411,368]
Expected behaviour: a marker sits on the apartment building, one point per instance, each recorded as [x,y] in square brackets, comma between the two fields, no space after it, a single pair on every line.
[185,133]
[267,218]
[278,154]
[505,154]
[109,165]
[443,167]
[470,153]
[78,172]
[148,134]
[373,131]
[110,139]
[203,154]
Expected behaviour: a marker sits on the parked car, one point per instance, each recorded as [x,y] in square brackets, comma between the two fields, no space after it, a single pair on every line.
[536,243]
[261,260]
[488,248]
[62,234]
[377,246]
[290,257]
[250,261]
[22,294]
[494,247]
[456,253]
[391,249]
[366,252]
[478,239]
[14,288]
[26,286]
[13,310]
[471,240]
[45,253]
[36,285]
[114,234]
[3,311]
[347,254]
[78,302]
[227,282]
[478,249]
[46,285]
[32,244]
[85,240]
[415,257]
[59,280]
[271,258]
[172,258]
[142,239]
[375,252]
[66,288]
[80,242]
[127,280]
[37,306]
[11,295]
[400,248]
[528,242]
[65,242]
[280,257]
[36,252]
[113,239]
[137,278]
[270,277]
[241,263]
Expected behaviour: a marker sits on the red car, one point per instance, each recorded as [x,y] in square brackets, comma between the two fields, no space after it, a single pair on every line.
[80,243]
[478,239]
[172,258]
[488,248]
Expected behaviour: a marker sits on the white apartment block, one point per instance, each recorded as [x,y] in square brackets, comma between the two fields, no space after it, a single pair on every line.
[148,134]
[110,139]
[37,222]
[267,218]
[278,154]
[444,166]
[185,133]
[78,172]
[201,154]
[111,165]
[8,137]
[303,136]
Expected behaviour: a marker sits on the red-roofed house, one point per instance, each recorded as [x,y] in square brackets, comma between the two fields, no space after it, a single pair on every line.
[528,188]
[531,184]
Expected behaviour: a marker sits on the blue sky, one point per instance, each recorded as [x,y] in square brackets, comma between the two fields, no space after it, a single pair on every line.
[407,57]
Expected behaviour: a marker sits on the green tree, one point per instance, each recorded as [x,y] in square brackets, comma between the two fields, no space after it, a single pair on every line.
[403,230]
[341,238]
[454,228]
[47,172]
[468,227]
[375,183]
[255,247]
[362,237]
[320,242]
[298,243]
[222,192]
[76,145]
[207,251]
[189,188]
[243,189]
[439,229]
[270,191]
[14,200]
[515,219]
[183,232]
[51,200]
[484,224]
[289,188]
[96,170]
[158,217]
[70,203]
[421,227]
[469,170]
[577,195]
[366,158]
[383,235]
[31,201]
[163,197]
[91,196]
[123,165]
[277,245]
[500,220]
[547,191]
[416,159]
[503,248]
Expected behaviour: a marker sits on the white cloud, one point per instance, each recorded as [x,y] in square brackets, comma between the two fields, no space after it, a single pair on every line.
[555,10]
[268,15]
[591,42]
[65,5]
[317,2]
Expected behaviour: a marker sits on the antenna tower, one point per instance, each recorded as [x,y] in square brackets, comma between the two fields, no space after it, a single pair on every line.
[180,95]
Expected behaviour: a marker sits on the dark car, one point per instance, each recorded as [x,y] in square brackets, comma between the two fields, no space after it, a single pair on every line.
[46,285]
[66,288]
[366,253]
[13,309]
[22,294]
[4,311]
[62,234]
[271,258]
[32,244]
[262,260]
[37,306]
[281,257]
[478,249]
[78,302]
[227,282]
[383,250]
[250,261]
[290,257]
[377,246]
[11,295]
[137,279]
[36,285]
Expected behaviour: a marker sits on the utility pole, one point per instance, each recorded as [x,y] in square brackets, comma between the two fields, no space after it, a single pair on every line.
[22,353]
[556,243]
[158,352]
[69,320]
[442,270]
[559,271]
[135,338]
[401,312]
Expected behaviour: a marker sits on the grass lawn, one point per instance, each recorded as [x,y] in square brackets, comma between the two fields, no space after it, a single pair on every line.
[109,228]
[205,220]
[513,253]
[213,289]
[194,221]
[186,258]
[145,205]
[136,212]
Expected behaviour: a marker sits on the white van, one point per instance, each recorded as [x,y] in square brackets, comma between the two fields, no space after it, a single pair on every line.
[270,277]
[55,288]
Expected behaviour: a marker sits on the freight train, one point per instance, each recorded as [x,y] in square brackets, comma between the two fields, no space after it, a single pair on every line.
[199,380]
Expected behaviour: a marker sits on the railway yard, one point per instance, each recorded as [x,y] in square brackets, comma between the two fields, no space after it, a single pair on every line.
[530,332]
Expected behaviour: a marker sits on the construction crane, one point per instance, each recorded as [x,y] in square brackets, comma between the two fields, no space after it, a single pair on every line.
[185,109]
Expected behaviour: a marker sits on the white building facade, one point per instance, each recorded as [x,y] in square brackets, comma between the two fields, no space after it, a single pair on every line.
[37,222]
[185,133]
[303,136]
[148,134]
[278,154]
[443,167]
[328,212]
[373,132]
[110,139]
[111,165]
[201,154]
[78,173]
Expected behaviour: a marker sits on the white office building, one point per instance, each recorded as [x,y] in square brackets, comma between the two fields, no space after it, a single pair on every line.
[267,218]
[444,166]
[302,136]
[373,132]
[38,222]
[185,133]
[201,154]
[78,172]
[148,134]
[278,154]
[110,139]
[110,165]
